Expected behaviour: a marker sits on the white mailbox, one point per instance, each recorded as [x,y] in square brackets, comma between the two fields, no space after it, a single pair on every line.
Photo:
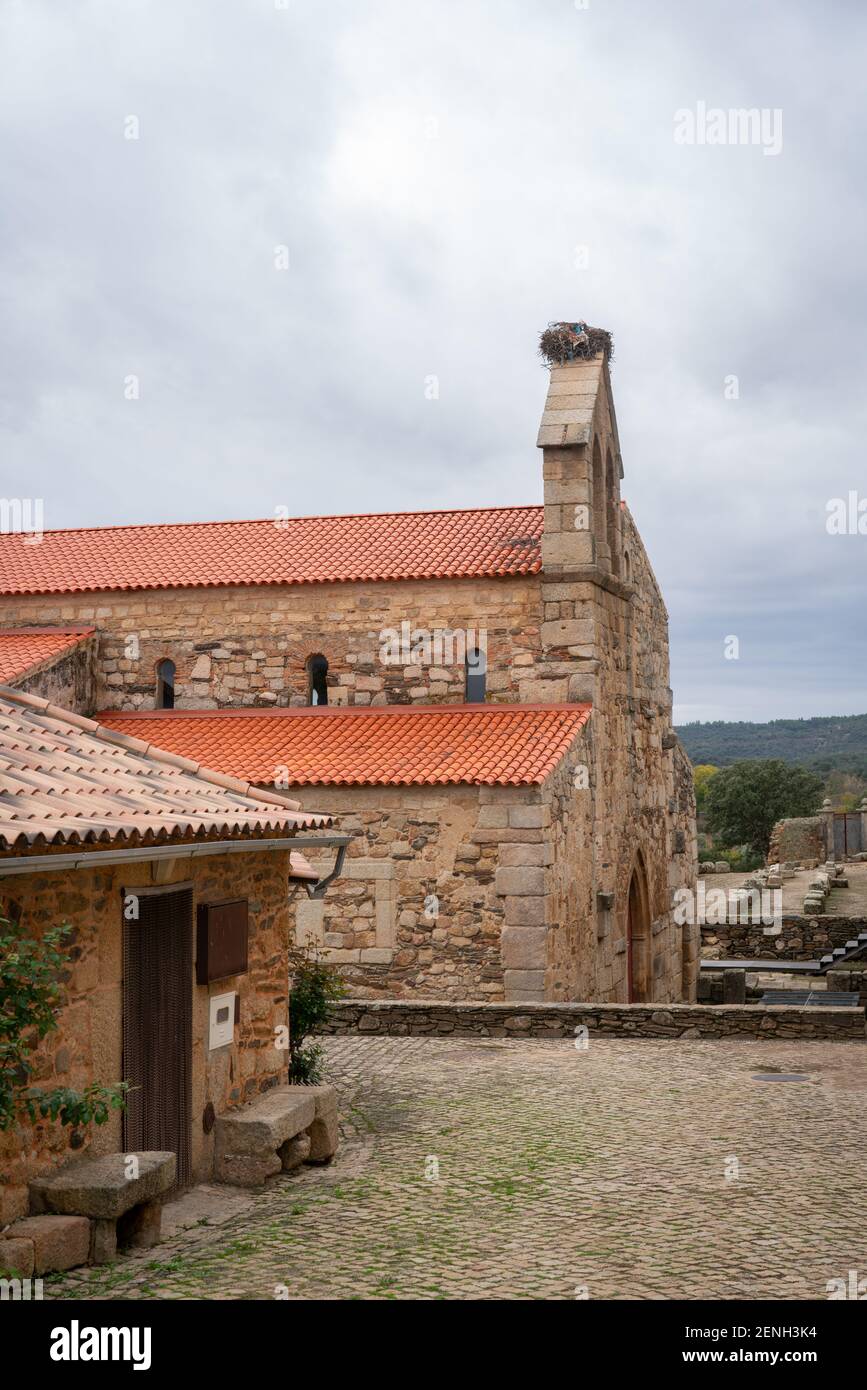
[221,1026]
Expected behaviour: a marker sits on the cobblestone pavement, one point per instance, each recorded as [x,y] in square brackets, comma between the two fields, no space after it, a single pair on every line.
[558,1170]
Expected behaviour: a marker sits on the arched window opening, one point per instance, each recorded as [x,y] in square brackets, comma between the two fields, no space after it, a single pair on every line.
[317,680]
[166,684]
[627,567]
[476,676]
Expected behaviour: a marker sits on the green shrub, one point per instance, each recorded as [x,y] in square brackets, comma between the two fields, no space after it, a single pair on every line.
[314,986]
[741,859]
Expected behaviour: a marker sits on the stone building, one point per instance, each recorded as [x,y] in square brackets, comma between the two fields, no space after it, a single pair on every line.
[496,734]
[140,852]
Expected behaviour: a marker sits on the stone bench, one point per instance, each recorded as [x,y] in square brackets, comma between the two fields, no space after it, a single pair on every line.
[121,1194]
[274,1133]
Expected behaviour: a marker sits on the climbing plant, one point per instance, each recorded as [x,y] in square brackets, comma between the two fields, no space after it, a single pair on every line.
[31,994]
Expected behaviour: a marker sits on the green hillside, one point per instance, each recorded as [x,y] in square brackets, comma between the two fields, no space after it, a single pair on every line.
[826,744]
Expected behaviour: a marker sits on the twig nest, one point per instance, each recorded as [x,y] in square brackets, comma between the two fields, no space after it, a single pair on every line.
[564,342]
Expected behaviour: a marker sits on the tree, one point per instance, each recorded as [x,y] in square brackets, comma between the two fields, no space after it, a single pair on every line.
[743,802]
[30,997]
[701,776]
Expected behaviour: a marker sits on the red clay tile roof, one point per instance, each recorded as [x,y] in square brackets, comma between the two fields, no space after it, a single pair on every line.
[66,781]
[23,649]
[395,745]
[476,543]
[301,868]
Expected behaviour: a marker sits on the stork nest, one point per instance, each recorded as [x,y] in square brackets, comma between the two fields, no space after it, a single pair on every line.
[564,342]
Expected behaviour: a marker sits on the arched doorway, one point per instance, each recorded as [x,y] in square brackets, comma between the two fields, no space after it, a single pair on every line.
[638,972]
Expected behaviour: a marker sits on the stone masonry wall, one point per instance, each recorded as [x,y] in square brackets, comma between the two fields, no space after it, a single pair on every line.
[87,1045]
[249,645]
[800,840]
[604,612]
[414,911]
[69,680]
[801,938]
[465,893]
[454,892]
[769,1022]
[853,980]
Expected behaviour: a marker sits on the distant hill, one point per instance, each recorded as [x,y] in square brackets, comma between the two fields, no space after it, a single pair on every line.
[823,744]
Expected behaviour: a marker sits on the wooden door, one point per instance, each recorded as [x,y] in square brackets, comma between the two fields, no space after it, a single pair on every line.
[157,1025]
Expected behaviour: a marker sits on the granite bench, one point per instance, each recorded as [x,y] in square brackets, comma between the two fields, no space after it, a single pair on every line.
[122,1194]
[274,1133]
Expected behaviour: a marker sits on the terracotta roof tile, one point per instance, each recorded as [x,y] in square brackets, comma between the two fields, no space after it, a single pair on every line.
[25,649]
[63,782]
[301,550]
[394,745]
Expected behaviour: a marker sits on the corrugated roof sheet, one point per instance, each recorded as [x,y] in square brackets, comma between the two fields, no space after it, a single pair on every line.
[397,745]
[300,550]
[27,648]
[64,780]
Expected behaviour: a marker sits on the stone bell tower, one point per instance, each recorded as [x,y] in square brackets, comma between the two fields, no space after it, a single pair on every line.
[582,547]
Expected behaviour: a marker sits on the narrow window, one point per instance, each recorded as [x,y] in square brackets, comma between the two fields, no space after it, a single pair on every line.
[317,680]
[612,515]
[477,671]
[166,684]
[599,500]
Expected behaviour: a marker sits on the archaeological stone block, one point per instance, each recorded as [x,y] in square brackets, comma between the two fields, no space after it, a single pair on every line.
[267,1122]
[294,1152]
[104,1186]
[59,1242]
[324,1130]
[526,911]
[524,948]
[16,1258]
[520,882]
[139,1228]
[246,1170]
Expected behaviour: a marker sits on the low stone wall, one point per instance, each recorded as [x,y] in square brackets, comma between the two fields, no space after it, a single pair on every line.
[802,938]
[420,1018]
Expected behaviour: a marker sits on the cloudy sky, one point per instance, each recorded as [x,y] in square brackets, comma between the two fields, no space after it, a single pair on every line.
[275,221]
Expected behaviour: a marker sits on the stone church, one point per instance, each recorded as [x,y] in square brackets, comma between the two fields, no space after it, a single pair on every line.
[480,698]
